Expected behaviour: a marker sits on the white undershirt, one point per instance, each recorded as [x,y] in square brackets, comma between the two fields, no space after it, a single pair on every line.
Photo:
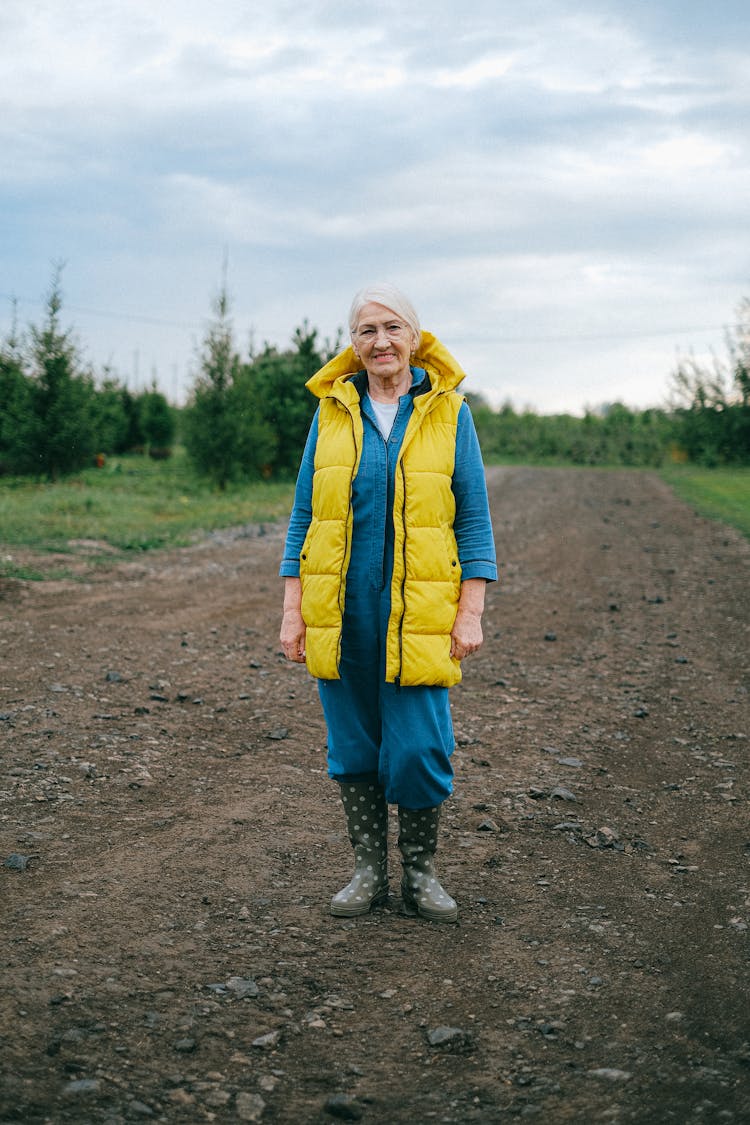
[385,415]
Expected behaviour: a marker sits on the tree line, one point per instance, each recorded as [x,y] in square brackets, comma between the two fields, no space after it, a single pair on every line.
[247,417]
[56,416]
[706,420]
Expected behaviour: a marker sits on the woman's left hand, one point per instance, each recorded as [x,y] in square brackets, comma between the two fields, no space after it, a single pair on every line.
[466,635]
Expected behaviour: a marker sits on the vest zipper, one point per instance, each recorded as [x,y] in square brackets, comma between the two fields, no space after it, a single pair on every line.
[344,565]
[403,578]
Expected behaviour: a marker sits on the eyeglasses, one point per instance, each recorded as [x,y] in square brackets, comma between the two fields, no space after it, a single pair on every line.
[393,330]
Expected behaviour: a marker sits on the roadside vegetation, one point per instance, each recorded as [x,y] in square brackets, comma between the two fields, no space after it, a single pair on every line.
[720,494]
[84,460]
[132,503]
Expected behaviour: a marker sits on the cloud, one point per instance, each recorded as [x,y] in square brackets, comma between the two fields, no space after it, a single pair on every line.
[552,173]
[489,68]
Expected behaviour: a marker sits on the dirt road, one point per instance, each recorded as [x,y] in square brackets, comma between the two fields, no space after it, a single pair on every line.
[169,841]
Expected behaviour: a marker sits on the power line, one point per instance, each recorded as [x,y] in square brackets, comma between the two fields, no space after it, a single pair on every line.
[575,338]
[105,313]
[562,338]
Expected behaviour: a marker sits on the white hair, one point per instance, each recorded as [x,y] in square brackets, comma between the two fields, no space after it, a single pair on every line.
[383,293]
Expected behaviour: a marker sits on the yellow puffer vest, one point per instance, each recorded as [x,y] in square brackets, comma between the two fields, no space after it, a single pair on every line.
[426,580]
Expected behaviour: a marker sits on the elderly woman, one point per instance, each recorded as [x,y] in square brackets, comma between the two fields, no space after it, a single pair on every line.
[387,556]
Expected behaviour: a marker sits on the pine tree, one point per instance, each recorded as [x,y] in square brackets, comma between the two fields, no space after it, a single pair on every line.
[157,422]
[211,424]
[275,382]
[62,434]
[16,408]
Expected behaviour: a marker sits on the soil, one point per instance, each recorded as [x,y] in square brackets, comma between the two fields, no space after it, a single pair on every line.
[169,841]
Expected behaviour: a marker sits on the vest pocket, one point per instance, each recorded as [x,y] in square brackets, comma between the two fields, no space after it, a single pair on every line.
[454,566]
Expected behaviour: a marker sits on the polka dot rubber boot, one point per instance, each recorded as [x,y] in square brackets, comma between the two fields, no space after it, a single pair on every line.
[367,821]
[420,886]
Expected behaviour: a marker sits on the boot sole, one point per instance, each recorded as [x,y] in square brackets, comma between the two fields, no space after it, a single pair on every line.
[358,908]
[413,910]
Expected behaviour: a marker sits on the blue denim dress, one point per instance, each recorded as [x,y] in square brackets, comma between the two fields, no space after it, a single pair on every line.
[404,735]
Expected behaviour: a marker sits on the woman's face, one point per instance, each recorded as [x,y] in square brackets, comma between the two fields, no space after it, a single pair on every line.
[384,342]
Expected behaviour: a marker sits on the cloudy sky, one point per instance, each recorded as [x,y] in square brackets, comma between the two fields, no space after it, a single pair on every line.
[561,187]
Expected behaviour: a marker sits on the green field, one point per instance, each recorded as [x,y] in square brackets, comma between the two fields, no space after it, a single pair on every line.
[133,504]
[721,494]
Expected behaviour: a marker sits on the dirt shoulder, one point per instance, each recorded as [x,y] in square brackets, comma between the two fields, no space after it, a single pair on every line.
[170,842]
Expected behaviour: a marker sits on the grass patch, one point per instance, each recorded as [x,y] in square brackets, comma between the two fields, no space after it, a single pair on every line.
[720,494]
[132,504]
[10,569]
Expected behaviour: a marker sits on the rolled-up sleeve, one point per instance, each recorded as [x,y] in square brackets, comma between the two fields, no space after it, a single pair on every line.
[472,526]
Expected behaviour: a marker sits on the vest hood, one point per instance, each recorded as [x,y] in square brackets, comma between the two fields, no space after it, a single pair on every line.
[443,371]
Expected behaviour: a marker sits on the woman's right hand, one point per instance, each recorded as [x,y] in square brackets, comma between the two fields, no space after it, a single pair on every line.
[293,636]
[293,629]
